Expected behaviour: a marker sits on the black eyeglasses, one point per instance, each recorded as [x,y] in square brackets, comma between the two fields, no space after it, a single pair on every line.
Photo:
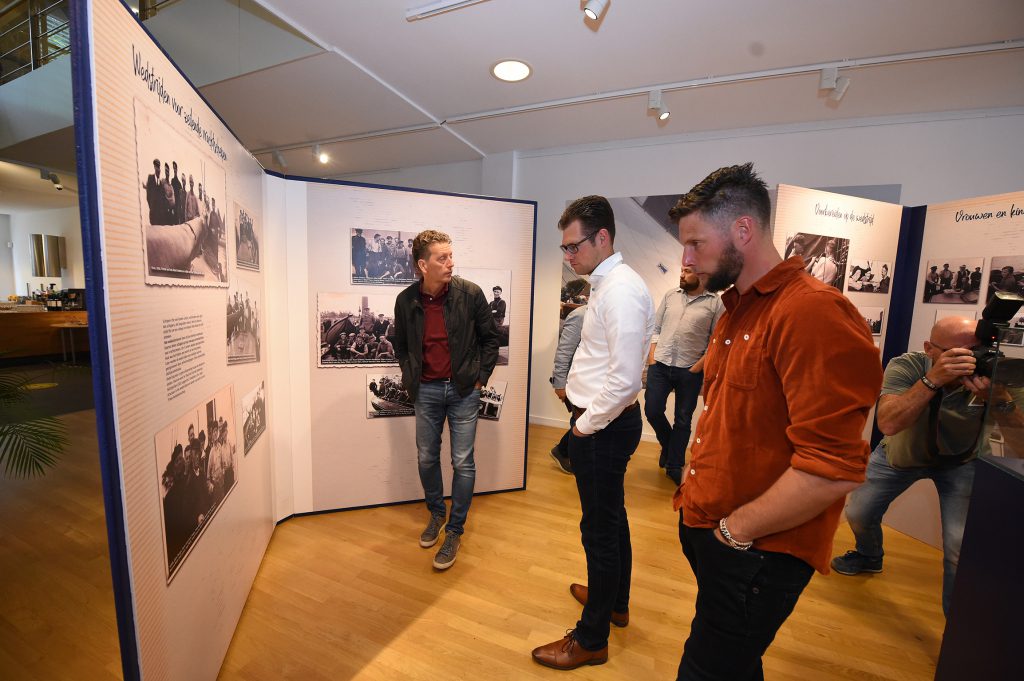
[573,249]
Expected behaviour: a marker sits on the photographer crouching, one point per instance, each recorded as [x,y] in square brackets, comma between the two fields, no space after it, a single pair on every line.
[932,411]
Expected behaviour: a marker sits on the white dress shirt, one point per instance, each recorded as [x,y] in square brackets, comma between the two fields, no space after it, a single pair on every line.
[617,329]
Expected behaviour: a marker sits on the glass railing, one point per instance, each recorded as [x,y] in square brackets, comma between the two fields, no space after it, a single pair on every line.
[32,34]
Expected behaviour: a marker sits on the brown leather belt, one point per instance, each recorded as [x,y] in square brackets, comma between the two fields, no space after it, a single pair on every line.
[577,412]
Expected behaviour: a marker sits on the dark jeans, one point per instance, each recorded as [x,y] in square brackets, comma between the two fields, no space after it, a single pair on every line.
[563,444]
[662,380]
[599,463]
[743,597]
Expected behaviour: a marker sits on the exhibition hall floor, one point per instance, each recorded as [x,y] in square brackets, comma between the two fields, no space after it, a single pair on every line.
[352,596]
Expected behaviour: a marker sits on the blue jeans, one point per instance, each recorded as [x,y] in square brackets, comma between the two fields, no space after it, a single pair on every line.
[662,380]
[868,503]
[435,402]
[599,464]
[743,597]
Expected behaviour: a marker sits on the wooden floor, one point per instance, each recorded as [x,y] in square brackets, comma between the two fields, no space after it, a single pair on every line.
[352,596]
[56,598]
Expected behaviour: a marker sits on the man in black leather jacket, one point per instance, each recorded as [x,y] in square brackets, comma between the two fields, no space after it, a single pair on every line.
[447,345]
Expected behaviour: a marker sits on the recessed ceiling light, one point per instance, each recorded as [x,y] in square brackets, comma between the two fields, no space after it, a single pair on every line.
[511,70]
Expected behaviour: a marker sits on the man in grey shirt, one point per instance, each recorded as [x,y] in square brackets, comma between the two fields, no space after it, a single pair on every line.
[568,341]
[682,329]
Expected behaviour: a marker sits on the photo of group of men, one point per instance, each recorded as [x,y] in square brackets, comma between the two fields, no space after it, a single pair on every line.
[356,329]
[183,226]
[196,454]
[958,283]
[869,276]
[1006,274]
[386,396]
[492,398]
[247,240]
[873,316]
[824,257]
[243,324]
[382,257]
[254,416]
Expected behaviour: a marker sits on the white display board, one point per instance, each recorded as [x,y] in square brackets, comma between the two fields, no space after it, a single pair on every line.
[357,461]
[185,326]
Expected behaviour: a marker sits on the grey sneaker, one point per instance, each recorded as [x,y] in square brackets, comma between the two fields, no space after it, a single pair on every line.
[855,562]
[429,536]
[446,556]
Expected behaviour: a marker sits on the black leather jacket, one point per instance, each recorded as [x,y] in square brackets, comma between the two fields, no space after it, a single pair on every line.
[472,335]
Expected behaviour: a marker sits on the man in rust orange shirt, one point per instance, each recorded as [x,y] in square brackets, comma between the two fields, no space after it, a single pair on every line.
[775,451]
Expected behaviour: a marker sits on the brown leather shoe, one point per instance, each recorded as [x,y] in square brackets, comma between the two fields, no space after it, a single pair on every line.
[580,593]
[567,653]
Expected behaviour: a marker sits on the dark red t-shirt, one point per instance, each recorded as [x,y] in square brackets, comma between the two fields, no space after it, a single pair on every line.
[437,358]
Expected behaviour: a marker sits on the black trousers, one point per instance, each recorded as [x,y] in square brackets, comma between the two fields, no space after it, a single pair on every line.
[599,463]
[743,597]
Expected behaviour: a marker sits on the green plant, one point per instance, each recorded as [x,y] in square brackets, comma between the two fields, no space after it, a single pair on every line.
[29,444]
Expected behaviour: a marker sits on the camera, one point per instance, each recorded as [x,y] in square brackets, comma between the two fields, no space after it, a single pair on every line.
[998,311]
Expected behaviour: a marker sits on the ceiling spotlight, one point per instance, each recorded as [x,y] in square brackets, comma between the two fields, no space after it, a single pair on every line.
[511,70]
[655,104]
[52,177]
[828,78]
[279,159]
[320,154]
[595,8]
[842,85]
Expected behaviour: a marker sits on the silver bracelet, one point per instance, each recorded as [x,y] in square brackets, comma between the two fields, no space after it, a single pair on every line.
[738,545]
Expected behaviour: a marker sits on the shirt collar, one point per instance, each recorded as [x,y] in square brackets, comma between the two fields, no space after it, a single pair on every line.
[771,281]
[602,270]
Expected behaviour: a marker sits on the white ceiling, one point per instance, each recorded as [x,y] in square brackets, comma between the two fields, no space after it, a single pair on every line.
[22,190]
[380,92]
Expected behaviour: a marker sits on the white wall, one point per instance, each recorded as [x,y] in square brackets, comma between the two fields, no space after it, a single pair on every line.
[6,258]
[464,177]
[63,222]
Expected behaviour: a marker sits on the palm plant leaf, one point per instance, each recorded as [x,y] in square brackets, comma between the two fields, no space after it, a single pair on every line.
[12,388]
[28,448]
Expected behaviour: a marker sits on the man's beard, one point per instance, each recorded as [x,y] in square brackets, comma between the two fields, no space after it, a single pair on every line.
[729,267]
[689,286]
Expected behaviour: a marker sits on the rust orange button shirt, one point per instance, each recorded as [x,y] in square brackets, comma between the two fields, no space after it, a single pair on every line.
[789,378]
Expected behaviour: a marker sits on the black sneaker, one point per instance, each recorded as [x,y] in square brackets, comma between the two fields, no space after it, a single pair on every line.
[446,555]
[675,474]
[561,460]
[854,563]
[429,536]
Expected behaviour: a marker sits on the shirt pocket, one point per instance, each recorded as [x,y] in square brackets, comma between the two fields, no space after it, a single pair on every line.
[743,366]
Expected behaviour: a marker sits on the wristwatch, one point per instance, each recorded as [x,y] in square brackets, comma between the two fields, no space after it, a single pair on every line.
[1004,407]
[928,384]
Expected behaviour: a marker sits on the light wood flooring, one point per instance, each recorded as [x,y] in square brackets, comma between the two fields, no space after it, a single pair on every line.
[57,616]
[352,596]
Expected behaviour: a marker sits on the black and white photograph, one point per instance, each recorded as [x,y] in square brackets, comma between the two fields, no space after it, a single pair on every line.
[492,398]
[196,457]
[382,257]
[825,257]
[1006,273]
[254,416]
[873,317]
[182,197]
[1013,336]
[247,239]
[244,314]
[355,329]
[953,280]
[869,276]
[386,396]
[497,288]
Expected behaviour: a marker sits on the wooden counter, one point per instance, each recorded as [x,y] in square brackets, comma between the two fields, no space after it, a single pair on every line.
[32,334]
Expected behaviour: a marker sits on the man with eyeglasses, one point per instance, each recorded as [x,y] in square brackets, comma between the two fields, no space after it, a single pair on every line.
[603,385]
[932,412]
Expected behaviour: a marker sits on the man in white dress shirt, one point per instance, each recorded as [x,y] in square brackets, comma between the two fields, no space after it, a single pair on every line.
[603,384]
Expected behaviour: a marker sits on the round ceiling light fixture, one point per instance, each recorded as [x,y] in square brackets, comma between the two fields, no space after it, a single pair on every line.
[511,70]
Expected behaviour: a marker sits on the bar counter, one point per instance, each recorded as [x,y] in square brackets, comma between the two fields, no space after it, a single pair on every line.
[33,334]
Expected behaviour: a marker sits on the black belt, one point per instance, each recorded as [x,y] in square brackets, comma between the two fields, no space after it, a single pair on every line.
[577,412]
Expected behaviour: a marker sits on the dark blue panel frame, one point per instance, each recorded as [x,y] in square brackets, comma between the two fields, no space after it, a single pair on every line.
[904,290]
[95,293]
